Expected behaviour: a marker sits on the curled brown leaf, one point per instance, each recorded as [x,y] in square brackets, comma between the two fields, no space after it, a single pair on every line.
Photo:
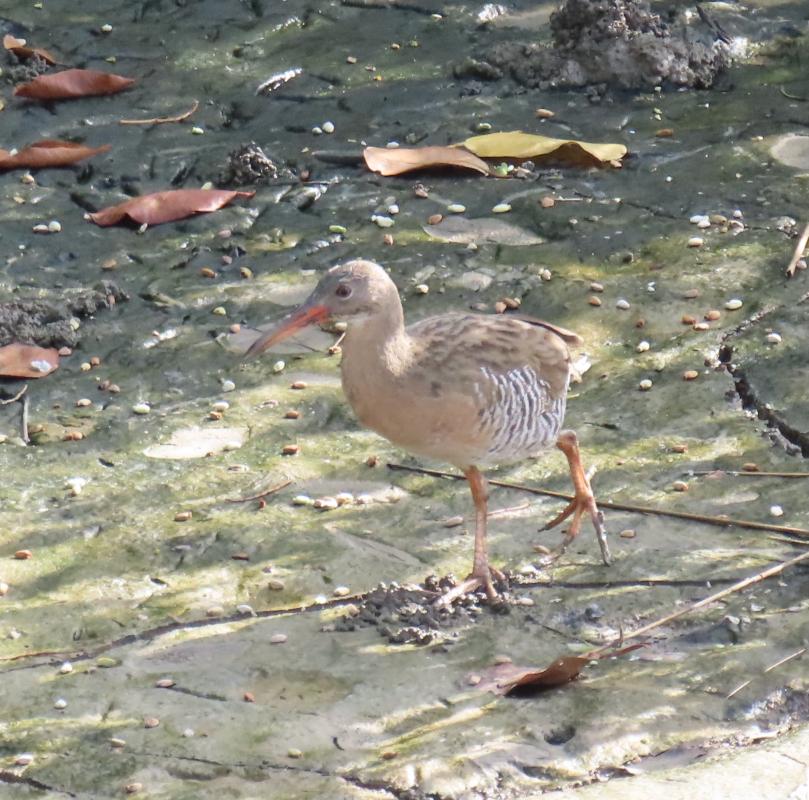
[20,49]
[73,83]
[48,153]
[394,161]
[153,209]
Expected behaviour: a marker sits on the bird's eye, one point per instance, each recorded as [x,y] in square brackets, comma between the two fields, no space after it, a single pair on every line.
[343,290]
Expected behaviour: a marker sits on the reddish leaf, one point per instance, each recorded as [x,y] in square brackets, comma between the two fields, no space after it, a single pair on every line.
[505,678]
[394,161]
[73,83]
[19,48]
[27,361]
[49,153]
[152,209]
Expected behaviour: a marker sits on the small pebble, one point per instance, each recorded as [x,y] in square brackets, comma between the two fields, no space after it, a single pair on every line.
[65,668]
[278,638]
[24,759]
[690,375]
[293,752]
[434,219]
[393,209]
[133,788]
[773,338]
[502,659]
[249,697]
[23,555]
[247,610]
[290,450]
[687,319]
[214,611]
[456,208]
[341,229]
[246,273]
[326,503]
[293,413]
[317,130]
[704,223]
[215,415]
[197,131]
[382,221]
[83,402]
[106,28]
[183,516]
[776,511]
[645,385]
[750,466]
[228,385]
[545,274]
[207,272]
[421,288]
[501,208]
[594,301]
[60,703]
[219,311]
[275,584]
[629,533]
[188,733]
[701,326]
[117,742]
[695,241]
[713,314]
[278,366]
[643,346]
[691,294]
[544,113]
[679,448]
[302,500]
[165,683]
[547,202]
[344,498]
[328,127]
[298,385]
[341,591]
[141,408]
[221,405]
[734,304]
[679,486]
[622,304]
[150,722]
[474,680]
[4,587]
[596,287]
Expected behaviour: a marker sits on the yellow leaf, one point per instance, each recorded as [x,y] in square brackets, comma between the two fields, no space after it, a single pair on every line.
[394,161]
[519,145]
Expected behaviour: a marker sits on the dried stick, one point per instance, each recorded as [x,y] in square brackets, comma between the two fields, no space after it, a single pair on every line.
[778,663]
[16,396]
[751,473]
[737,587]
[160,120]
[798,253]
[724,522]
[261,496]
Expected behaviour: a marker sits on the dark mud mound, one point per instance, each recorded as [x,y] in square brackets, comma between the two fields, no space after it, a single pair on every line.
[614,43]
[408,614]
[53,324]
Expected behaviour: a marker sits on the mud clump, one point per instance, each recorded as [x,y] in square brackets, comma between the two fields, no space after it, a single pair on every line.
[246,166]
[54,324]
[608,43]
[407,614]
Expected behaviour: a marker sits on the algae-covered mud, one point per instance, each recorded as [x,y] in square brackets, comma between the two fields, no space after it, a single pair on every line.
[159,639]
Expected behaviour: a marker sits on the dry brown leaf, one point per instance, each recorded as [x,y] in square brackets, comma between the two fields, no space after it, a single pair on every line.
[27,361]
[505,678]
[72,83]
[49,153]
[394,161]
[153,209]
[519,145]
[21,50]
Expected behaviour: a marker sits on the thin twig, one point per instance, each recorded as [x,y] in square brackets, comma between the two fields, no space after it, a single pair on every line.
[401,5]
[261,496]
[751,473]
[24,419]
[724,522]
[778,663]
[792,96]
[16,396]
[160,120]
[798,252]
[737,587]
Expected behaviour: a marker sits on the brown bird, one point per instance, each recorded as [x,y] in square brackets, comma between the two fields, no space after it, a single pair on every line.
[468,389]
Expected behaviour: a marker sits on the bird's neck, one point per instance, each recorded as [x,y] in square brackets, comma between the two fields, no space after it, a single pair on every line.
[378,342]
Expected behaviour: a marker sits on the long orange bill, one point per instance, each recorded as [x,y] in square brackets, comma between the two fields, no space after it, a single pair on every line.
[292,323]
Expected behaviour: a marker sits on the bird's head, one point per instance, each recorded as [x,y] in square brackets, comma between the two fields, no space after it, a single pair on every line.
[352,291]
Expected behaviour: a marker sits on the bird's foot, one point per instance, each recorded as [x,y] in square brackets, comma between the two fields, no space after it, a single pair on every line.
[480,578]
[583,503]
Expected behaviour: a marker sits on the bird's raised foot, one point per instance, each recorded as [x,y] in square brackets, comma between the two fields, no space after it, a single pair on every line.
[483,578]
[581,504]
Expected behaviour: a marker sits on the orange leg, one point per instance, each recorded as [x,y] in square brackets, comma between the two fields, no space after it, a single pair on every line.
[583,502]
[482,573]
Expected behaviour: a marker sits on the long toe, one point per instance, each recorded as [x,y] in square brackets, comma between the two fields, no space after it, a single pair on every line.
[471,584]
